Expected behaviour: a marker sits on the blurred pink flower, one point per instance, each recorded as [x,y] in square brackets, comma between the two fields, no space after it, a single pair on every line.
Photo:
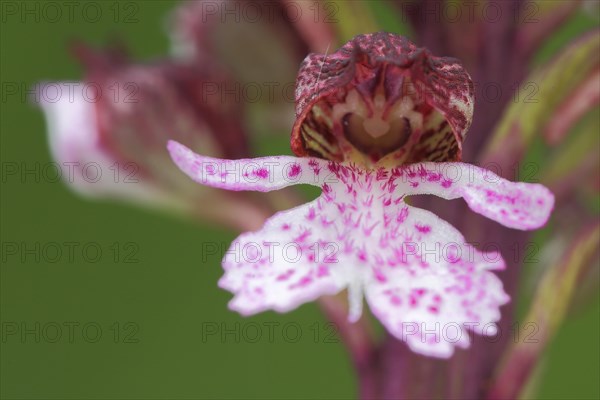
[112,135]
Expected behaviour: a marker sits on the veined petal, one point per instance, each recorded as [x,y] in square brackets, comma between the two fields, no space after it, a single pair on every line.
[517,205]
[259,174]
[434,287]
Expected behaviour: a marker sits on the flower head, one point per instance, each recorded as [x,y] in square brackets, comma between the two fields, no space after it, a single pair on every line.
[372,145]
[382,100]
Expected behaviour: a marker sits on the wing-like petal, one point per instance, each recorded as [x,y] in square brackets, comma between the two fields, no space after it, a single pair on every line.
[258,174]
[514,204]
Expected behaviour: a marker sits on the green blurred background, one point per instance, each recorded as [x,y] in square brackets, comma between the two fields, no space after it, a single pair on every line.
[152,312]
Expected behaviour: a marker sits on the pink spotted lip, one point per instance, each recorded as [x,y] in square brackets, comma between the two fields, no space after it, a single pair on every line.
[414,270]
[381,99]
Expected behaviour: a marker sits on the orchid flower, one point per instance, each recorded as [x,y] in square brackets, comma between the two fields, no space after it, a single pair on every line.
[377,121]
[111,136]
[118,131]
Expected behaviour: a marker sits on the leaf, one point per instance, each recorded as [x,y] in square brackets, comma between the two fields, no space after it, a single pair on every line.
[548,311]
[540,99]
[576,161]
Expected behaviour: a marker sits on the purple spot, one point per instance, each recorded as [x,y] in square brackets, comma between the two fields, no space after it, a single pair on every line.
[381,174]
[413,301]
[403,215]
[362,255]
[433,309]
[423,228]
[322,271]
[304,281]
[295,171]
[380,276]
[395,300]
[434,177]
[303,236]
[285,276]
[262,173]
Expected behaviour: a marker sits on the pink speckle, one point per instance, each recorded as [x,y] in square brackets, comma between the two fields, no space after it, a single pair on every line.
[362,255]
[303,282]
[262,173]
[423,228]
[434,177]
[395,300]
[433,309]
[413,301]
[327,192]
[325,222]
[295,170]
[285,276]
[315,166]
[381,278]
[446,183]
[303,236]
[402,215]
[381,174]
[210,169]
[322,271]
[490,193]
